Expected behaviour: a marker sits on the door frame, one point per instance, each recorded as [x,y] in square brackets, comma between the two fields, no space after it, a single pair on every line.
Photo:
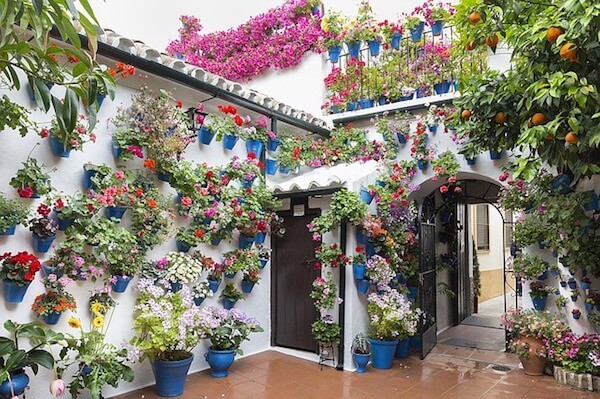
[273,297]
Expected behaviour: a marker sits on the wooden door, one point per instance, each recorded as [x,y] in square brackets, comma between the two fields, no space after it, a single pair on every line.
[292,310]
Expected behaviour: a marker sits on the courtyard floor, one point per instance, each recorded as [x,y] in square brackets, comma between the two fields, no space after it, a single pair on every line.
[448,372]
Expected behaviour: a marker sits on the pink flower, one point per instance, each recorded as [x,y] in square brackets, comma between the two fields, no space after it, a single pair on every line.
[444,189]
[452,179]
[186,201]
[120,175]
[57,388]
[503,176]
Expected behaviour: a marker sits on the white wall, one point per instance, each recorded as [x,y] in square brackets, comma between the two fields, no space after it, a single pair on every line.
[68,178]
[491,259]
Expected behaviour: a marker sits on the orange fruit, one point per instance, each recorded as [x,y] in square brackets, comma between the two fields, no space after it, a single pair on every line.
[571,138]
[500,118]
[538,119]
[569,52]
[550,136]
[466,114]
[474,18]
[471,44]
[492,41]
[553,33]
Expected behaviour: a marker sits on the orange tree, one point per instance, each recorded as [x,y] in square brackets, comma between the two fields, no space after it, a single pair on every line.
[27,52]
[546,107]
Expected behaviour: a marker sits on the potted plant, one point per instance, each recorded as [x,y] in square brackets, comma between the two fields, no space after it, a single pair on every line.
[576,359]
[69,135]
[539,294]
[326,331]
[181,268]
[166,338]
[436,16]
[528,329]
[445,166]
[359,262]
[250,279]
[256,136]
[225,125]
[378,271]
[576,313]
[391,316]
[415,24]
[200,292]
[239,260]
[99,363]
[586,283]
[332,25]
[71,208]
[361,352]
[53,303]
[14,359]
[215,272]
[264,254]
[12,213]
[226,330]
[17,272]
[330,256]
[43,229]
[30,181]
[324,293]
[530,267]
[230,296]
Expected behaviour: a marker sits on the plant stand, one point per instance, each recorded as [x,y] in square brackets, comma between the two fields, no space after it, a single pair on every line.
[326,353]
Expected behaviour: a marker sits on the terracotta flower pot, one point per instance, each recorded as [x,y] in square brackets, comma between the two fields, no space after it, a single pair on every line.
[534,364]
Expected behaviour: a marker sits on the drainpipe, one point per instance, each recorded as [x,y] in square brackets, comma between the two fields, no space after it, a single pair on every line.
[342,307]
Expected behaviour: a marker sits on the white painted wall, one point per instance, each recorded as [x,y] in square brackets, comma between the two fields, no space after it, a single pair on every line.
[68,178]
[491,259]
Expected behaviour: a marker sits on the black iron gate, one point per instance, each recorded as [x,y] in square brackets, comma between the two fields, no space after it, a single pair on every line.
[427,277]
[463,283]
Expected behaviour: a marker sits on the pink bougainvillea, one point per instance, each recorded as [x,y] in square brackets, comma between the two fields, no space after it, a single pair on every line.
[277,39]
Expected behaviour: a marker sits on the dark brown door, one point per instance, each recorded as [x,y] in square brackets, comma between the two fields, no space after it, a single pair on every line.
[292,275]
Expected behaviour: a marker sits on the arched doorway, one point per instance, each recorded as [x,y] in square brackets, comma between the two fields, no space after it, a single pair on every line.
[459,238]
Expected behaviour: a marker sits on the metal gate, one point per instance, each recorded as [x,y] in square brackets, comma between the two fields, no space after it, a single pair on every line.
[427,277]
[463,280]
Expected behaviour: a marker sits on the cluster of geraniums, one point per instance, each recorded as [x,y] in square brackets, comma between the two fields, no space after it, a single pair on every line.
[277,39]
[324,296]
[330,256]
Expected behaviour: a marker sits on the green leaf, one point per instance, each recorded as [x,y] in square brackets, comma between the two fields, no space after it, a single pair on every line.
[70,110]
[39,6]
[42,357]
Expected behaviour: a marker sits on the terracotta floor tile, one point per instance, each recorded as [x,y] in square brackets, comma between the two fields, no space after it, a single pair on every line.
[250,388]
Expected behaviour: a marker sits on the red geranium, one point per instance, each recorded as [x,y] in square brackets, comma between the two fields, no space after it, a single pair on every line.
[20,268]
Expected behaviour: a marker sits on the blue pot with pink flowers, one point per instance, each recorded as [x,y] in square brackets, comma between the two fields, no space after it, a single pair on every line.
[254,146]
[120,284]
[42,244]
[271,166]
[437,28]
[366,195]
[245,242]
[272,144]
[205,136]
[58,148]
[353,49]
[416,33]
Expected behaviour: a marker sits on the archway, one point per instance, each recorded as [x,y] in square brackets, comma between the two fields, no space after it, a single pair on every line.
[459,237]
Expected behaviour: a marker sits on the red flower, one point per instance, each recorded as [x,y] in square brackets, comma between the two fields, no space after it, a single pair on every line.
[59,204]
[252,155]
[198,233]
[44,133]
[210,174]
[238,120]
[239,213]
[152,203]
[179,104]
[149,163]
[503,176]
[25,192]
[359,249]
[44,210]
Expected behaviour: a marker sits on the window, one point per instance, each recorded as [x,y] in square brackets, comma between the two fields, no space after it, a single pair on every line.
[508,228]
[483,227]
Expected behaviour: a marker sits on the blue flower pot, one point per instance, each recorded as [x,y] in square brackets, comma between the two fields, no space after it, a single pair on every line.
[358,271]
[262,263]
[334,54]
[58,148]
[219,362]
[14,293]
[366,196]
[85,371]
[176,287]
[363,286]
[417,32]
[543,276]
[215,241]
[539,303]
[87,179]
[41,244]
[121,284]
[205,136]
[214,285]
[284,170]
[247,183]
[116,212]
[400,278]
[353,49]
[9,231]
[563,284]
[366,103]
[63,224]
[370,250]
[401,138]
[170,376]
[382,353]
[245,242]
[255,146]
[272,144]
[589,306]
[227,304]
[442,88]
[48,270]
[402,348]
[585,285]
[206,221]
[230,275]
[260,238]
[182,247]
[374,47]
[163,176]
[247,286]
[407,97]
[352,106]
[562,183]
[382,100]
[554,272]
[198,301]
[432,128]
[572,284]
[412,293]
[576,316]
[437,28]
[415,342]
[361,361]
[17,385]
[116,150]
[471,161]
[496,155]
[396,40]
[229,141]
[335,109]
[100,97]
[315,10]
[52,318]
[594,203]
[422,165]
[361,238]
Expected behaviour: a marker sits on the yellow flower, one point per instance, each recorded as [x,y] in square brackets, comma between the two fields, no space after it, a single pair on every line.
[74,322]
[96,307]
[98,322]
